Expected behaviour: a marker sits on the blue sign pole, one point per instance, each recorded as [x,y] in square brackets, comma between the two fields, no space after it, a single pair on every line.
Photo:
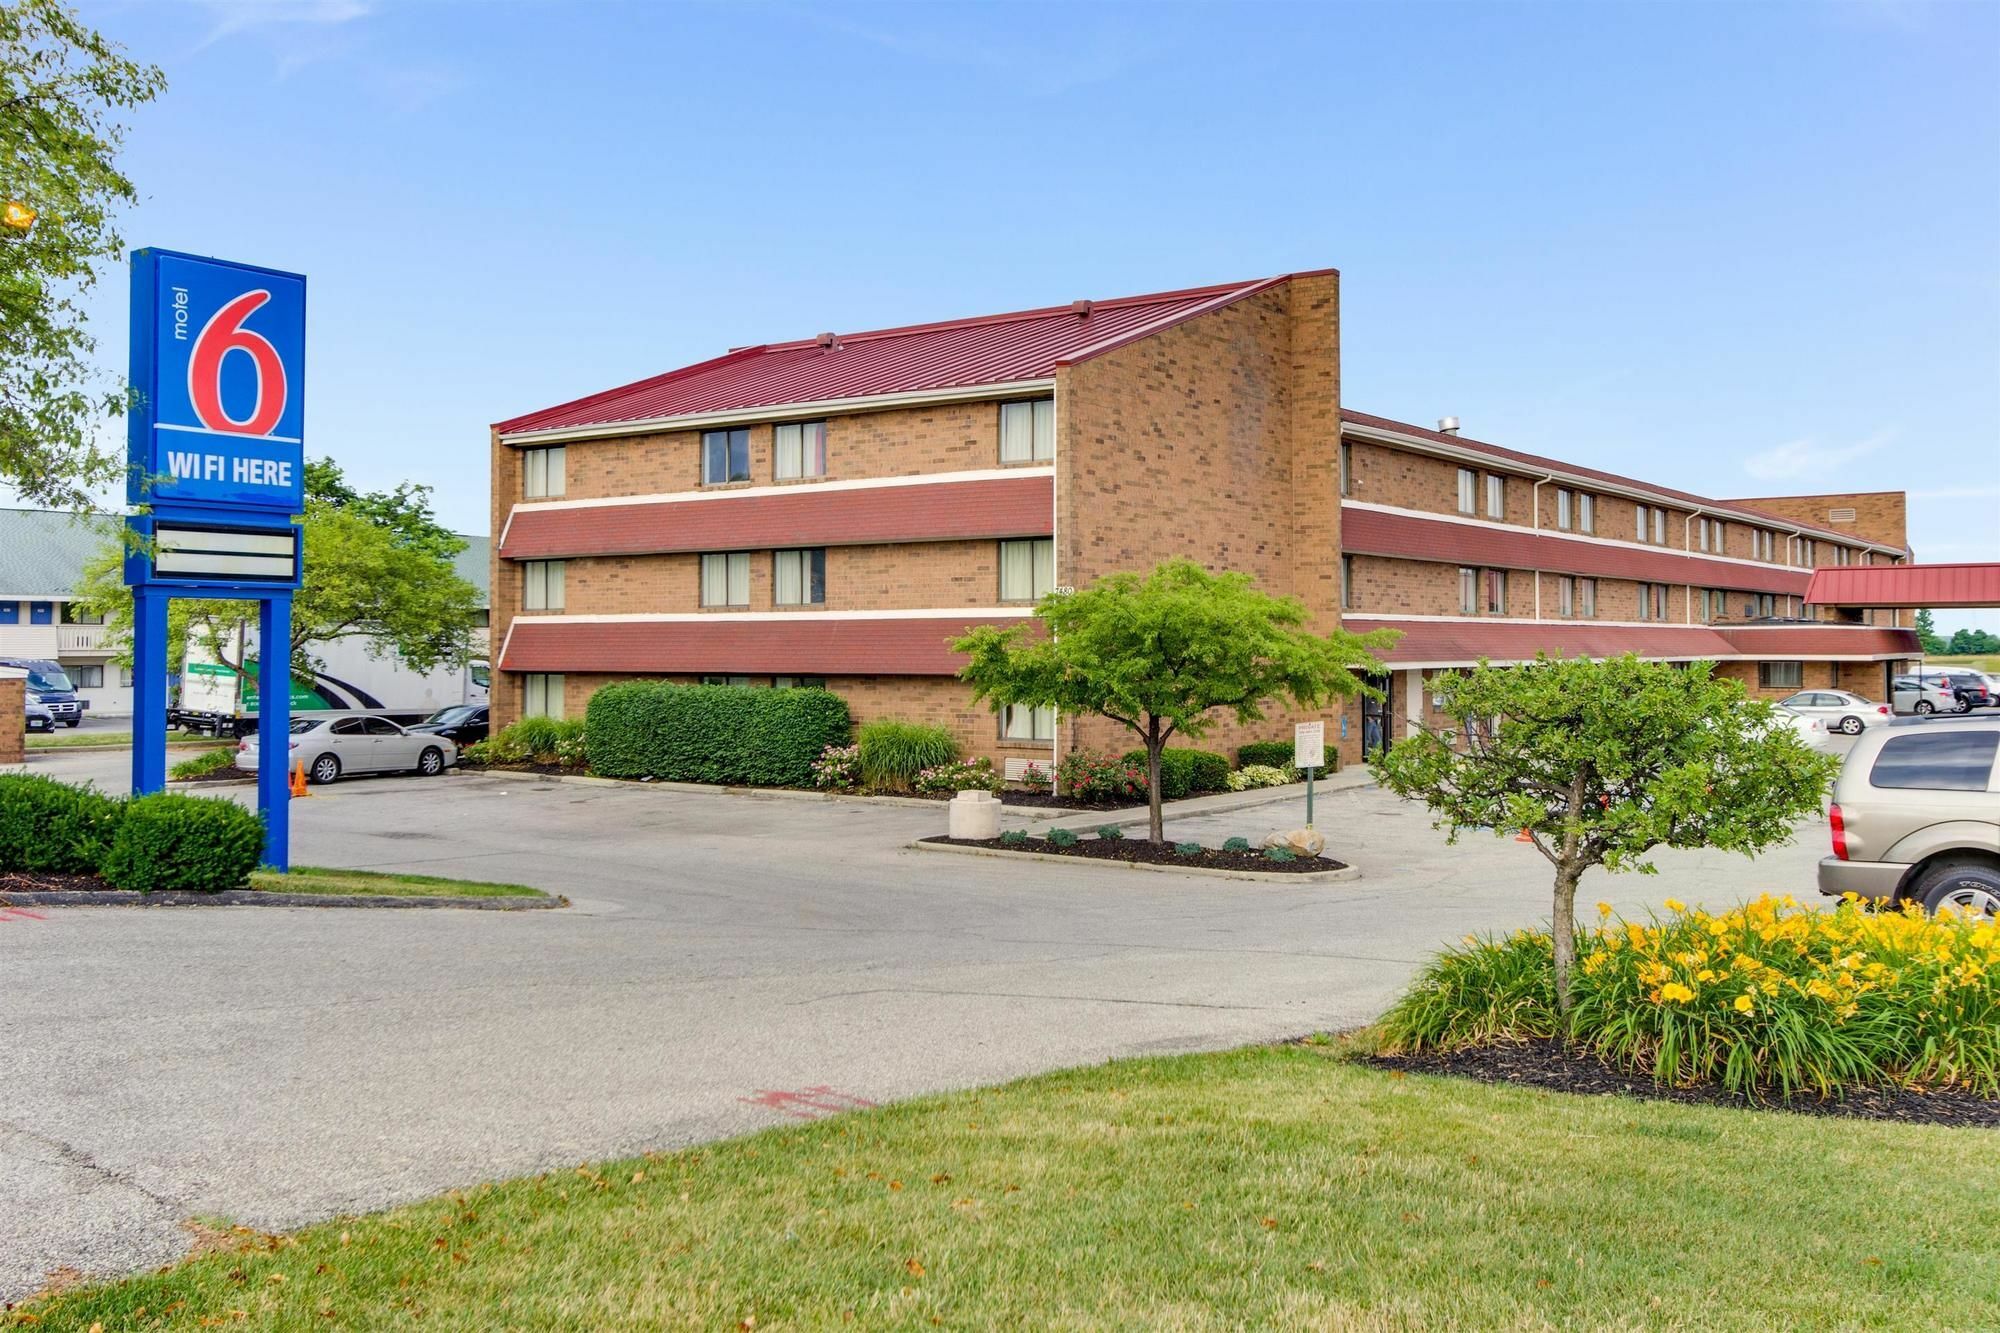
[216,472]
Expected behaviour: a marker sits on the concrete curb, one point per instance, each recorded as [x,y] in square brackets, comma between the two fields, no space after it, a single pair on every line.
[1259,876]
[260,898]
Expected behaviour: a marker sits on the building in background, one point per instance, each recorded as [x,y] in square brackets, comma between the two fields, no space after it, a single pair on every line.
[834,510]
[42,557]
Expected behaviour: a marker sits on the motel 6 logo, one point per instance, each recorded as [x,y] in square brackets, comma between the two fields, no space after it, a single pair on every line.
[223,384]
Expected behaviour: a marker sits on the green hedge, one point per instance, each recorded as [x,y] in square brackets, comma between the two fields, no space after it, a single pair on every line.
[712,733]
[893,754]
[1186,772]
[50,827]
[168,841]
[1275,754]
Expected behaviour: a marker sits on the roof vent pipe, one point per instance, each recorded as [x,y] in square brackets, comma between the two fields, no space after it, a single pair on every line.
[1081,309]
[1447,425]
[825,340]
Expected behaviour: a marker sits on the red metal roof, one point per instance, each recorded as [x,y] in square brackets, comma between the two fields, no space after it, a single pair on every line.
[806,644]
[1454,641]
[1414,537]
[955,354]
[799,516]
[1974,585]
[1538,463]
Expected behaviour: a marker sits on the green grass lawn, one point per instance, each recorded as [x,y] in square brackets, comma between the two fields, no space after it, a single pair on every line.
[322,879]
[1262,1188]
[88,740]
[1988,662]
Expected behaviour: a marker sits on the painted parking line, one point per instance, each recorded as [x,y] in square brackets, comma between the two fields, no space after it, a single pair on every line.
[807,1103]
[19,914]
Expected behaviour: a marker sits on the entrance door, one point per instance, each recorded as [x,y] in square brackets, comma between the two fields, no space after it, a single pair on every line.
[1376,733]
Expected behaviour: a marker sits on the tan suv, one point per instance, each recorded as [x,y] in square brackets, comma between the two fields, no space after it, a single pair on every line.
[1916,815]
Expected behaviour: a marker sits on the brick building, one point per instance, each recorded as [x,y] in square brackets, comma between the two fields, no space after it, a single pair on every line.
[834,510]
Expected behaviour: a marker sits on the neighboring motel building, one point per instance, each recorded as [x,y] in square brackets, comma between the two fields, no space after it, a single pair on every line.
[833,511]
[42,557]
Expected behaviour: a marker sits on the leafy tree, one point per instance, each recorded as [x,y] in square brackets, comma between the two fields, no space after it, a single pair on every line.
[1159,652]
[1969,642]
[1928,639]
[377,564]
[60,87]
[1602,761]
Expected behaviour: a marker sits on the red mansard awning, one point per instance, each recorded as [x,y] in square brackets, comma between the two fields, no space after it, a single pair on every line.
[1453,642]
[1908,586]
[798,516]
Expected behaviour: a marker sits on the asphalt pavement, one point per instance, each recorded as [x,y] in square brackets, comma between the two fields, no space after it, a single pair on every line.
[729,962]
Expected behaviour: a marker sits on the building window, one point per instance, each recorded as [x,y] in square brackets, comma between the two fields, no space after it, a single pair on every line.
[1652,601]
[798,682]
[798,449]
[1562,509]
[542,472]
[725,456]
[1346,468]
[544,585]
[1765,543]
[1781,675]
[1028,431]
[1565,597]
[124,677]
[798,578]
[1496,592]
[1496,495]
[41,613]
[741,682]
[1708,533]
[1808,553]
[73,614]
[542,695]
[1027,569]
[1347,583]
[1843,555]
[1468,491]
[1468,591]
[725,579]
[1586,512]
[1586,597]
[86,677]
[1018,722]
[1659,527]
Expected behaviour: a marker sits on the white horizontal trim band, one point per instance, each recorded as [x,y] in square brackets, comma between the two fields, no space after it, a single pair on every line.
[1467,521]
[878,402]
[794,488]
[228,434]
[695,617]
[1599,486]
[1467,663]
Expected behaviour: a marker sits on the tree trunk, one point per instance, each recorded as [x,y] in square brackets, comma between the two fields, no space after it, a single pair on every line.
[1563,933]
[1155,742]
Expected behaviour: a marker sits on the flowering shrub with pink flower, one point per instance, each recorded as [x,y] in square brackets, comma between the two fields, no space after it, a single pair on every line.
[1088,775]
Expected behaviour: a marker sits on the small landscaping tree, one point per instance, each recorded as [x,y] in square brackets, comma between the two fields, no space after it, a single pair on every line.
[1601,761]
[1160,652]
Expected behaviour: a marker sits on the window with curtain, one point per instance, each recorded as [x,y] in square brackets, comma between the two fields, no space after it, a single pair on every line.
[1586,597]
[1347,582]
[1468,591]
[1496,495]
[1346,468]
[1021,723]
[542,695]
[87,677]
[1496,592]
[1027,568]
[741,681]
[725,456]
[725,579]
[798,578]
[542,472]
[1659,527]
[1586,513]
[1781,675]
[544,585]
[1468,491]
[1028,431]
[799,449]
[798,682]
[1563,520]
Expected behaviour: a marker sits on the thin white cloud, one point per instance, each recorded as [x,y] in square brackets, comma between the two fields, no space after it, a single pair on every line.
[234,16]
[1810,458]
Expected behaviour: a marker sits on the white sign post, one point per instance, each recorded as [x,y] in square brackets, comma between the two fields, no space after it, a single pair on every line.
[1309,753]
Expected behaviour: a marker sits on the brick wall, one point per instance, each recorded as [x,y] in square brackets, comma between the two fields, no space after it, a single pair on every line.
[13,719]
[1879,516]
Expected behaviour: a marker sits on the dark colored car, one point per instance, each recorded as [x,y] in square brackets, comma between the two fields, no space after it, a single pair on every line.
[464,723]
[1968,687]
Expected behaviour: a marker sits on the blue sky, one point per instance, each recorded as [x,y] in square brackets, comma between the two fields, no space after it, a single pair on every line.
[1741,249]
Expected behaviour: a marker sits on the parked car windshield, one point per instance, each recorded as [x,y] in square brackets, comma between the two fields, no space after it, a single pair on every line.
[301,725]
[455,714]
[49,680]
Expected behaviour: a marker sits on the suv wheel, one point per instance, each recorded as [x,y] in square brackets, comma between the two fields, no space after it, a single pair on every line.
[1964,704]
[1973,887]
[1924,708]
[1850,726]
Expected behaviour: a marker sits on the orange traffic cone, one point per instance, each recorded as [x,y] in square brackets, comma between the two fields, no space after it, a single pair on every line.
[1524,836]
[299,791]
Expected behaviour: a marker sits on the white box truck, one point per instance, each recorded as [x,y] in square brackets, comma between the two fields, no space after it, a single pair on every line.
[215,698]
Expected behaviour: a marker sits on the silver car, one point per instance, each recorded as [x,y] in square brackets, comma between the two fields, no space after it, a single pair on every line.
[1842,711]
[1916,816]
[1908,694]
[331,744]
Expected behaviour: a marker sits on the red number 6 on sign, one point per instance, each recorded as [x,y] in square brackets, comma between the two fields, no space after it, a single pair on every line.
[224,333]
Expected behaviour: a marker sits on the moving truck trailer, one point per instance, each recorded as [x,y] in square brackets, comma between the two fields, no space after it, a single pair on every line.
[216,698]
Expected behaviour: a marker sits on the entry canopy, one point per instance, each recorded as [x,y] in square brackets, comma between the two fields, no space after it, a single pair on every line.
[1912,587]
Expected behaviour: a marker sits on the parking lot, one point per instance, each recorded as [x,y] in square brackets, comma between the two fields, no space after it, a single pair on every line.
[729,962]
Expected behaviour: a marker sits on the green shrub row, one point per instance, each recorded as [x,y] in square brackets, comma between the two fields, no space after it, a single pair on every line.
[542,740]
[712,733]
[1186,772]
[160,842]
[1274,754]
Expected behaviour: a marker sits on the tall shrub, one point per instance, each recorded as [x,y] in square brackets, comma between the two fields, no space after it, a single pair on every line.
[893,754]
[712,733]
[50,827]
[1185,772]
[167,841]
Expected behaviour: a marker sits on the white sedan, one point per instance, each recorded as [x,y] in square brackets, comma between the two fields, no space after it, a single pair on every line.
[330,744]
[1840,710]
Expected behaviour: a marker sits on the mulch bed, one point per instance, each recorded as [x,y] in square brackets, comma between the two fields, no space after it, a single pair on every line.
[1156,853]
[546,770]
[1548,1064]
[26,881]
[1042,800]
[227,773]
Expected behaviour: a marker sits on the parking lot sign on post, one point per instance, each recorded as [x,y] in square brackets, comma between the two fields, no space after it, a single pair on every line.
[1309,754]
